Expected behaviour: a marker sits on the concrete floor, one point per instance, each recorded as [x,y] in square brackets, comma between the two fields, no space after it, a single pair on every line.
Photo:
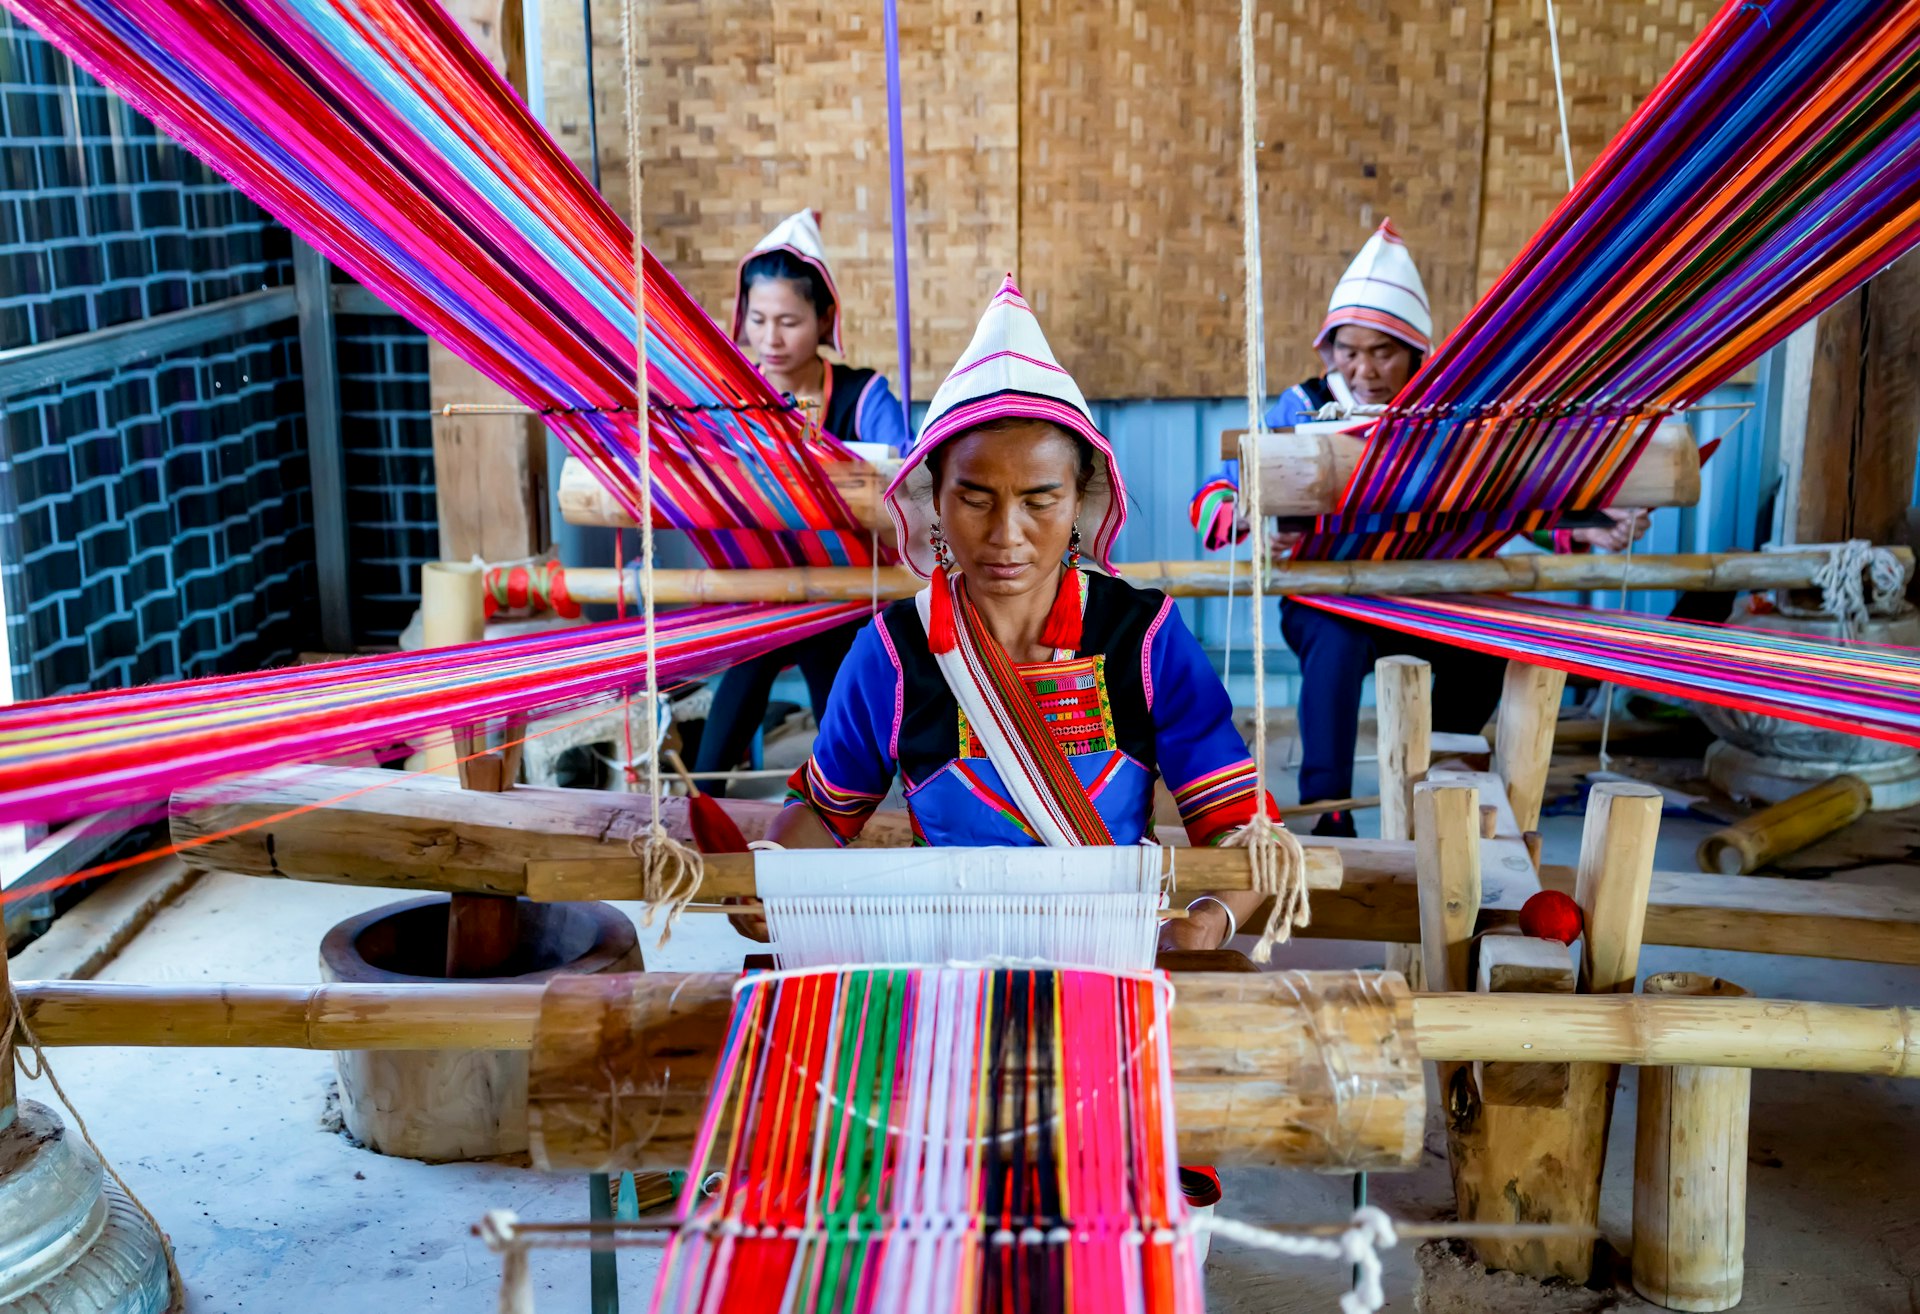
[270,1210]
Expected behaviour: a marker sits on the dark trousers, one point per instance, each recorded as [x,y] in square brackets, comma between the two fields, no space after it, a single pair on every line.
[1337,655]
[740,701]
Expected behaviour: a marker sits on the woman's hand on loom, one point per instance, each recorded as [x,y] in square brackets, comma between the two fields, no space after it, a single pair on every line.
[1627,528]
[750,924]
[1204,927]
[1279,545]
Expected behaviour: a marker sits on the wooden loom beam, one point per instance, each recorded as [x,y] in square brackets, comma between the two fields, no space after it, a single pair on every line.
[1304,472]
[426,834]
[1522,573]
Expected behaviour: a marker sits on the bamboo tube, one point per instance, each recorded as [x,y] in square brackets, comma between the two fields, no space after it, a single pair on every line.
[1690,1172]
[1531,572]
[1293,1069]
[1303,471]
[1523,736]
[452,611]
[1665,1030]
[1787,827]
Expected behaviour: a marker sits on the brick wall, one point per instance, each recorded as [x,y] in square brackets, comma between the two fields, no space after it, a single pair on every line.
[392,526]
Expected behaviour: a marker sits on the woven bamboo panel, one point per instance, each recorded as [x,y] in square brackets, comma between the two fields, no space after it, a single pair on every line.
[1130,217]
[1612,53]
[755,110]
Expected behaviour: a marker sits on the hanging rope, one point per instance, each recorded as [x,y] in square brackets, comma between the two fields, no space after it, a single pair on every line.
[1370,1232]
[39,1068]
[1560,92]
[499,1228]
[670,871]
[1279,865]
[1843,581]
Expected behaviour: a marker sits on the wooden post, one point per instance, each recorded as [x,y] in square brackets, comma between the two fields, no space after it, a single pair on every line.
[1446,849]
[1612,882]
[1523,736]
[452,611]
[1403,701]
[1787,827]
[1520,964]
[1403,735]
[9,1099]
[1690,1172]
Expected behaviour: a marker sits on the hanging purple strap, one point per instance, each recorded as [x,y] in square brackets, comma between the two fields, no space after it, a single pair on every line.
[897,168]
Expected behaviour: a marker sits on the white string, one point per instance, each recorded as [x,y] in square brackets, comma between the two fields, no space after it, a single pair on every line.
[670,871]
[1279,866]
[498,1229]
[1560,92]
[1850,567]
[1606,686]
[1370,1232]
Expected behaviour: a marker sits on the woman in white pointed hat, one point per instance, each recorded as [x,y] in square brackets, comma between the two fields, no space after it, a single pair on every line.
[786,308]
[1026,696]
[1376,333]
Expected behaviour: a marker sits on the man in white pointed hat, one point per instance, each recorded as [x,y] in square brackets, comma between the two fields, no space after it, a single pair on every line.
[1377,331]
[1025,696]
[785,309]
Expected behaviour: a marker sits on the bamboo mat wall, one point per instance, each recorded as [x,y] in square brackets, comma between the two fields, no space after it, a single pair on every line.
[1093,149]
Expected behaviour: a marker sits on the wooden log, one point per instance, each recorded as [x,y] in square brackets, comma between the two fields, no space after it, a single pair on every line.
[1292,1069]
[1525,573]
[1787,827]
[366,827]
[1304,471]
[1521,964]
[1455,1028]
[584,500]
[1446,850]
[1690,1172]
[1523,736]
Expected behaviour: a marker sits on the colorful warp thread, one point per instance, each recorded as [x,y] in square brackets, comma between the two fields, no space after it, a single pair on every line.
[377,132]
[1773,170]
[68,757]
[938,1139]
[1858,688]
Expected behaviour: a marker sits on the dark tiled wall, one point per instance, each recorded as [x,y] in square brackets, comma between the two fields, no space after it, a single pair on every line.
[392,526]
[155,521]
[160,522]
[102,218]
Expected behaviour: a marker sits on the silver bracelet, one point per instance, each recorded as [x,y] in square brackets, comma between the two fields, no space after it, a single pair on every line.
[1233,923]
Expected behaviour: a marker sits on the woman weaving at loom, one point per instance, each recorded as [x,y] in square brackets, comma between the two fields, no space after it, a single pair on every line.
[1377,331]
[786,307]
[1022,698]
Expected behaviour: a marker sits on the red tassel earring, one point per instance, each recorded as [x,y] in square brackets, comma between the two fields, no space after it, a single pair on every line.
[941,636]
[1062,628]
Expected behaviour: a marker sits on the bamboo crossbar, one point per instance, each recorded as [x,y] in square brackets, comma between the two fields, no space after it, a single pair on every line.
[1727,572]
[1634,1029]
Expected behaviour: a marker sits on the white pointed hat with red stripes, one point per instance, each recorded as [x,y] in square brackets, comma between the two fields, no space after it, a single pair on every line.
[1007,371]
[798,235]
[1381,290]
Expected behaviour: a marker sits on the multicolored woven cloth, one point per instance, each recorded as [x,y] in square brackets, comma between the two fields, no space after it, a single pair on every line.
[72,756]
[928,1140]
[377,132]
[1860,688]
[1774,170]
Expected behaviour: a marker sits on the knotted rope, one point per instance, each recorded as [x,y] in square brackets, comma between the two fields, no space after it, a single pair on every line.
[500,1230]
[1370,1232]
[1279,865]
[38,1068]
[1843,581]
[670,871]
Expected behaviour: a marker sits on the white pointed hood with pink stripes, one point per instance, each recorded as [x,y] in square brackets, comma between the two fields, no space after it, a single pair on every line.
[1381,290]
[1008,370]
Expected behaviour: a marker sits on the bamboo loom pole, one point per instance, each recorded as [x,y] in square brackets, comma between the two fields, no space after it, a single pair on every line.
[1633,1029]
[1729,572]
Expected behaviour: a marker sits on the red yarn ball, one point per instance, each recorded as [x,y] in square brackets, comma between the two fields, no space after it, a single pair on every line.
[1551,915]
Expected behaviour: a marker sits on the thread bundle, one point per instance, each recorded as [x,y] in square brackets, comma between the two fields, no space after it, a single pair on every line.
[938,1139]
